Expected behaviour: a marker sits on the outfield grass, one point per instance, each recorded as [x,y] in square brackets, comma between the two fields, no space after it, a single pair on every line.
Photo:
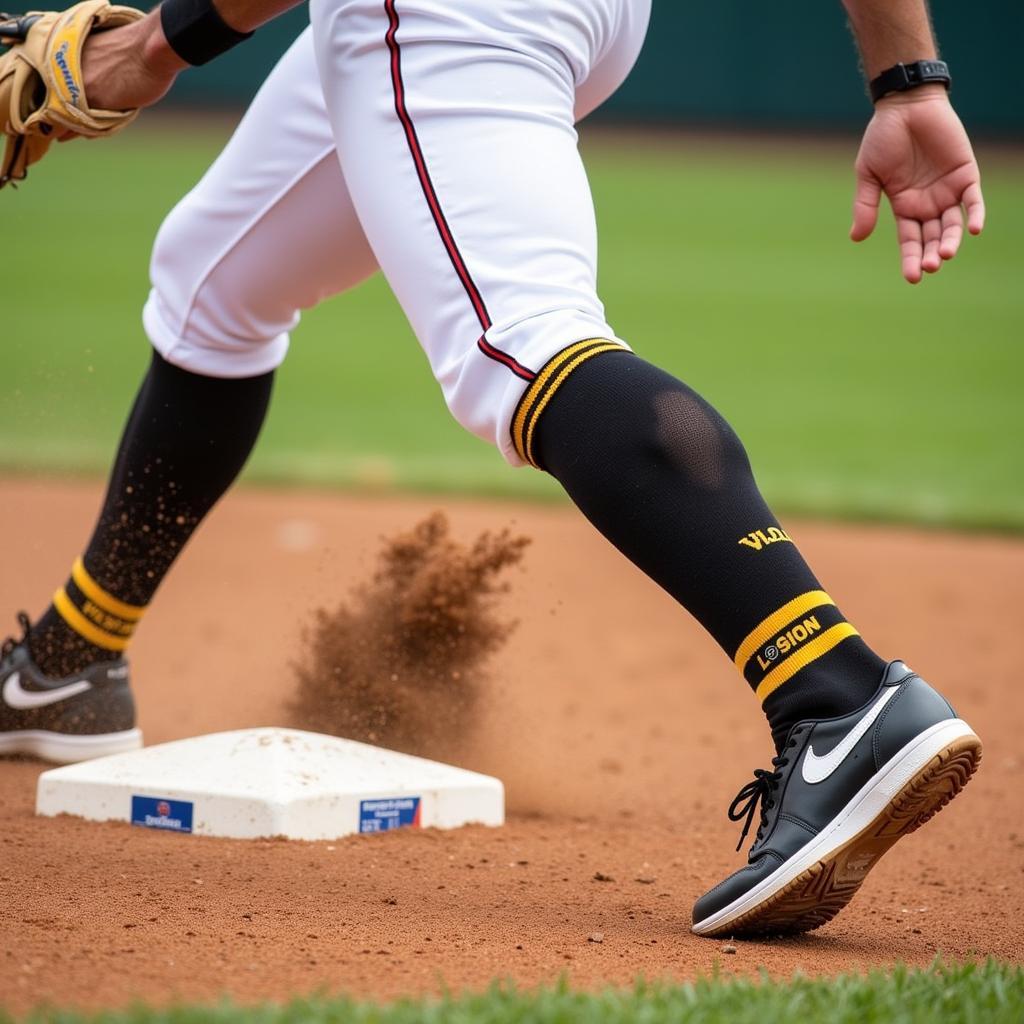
[856,394]
[991,993]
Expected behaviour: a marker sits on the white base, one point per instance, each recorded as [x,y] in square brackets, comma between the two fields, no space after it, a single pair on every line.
[271,782]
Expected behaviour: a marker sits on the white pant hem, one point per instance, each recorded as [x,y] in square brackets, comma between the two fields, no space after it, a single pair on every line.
[236,362]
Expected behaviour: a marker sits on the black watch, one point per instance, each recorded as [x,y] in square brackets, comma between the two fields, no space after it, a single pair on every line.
[909,76]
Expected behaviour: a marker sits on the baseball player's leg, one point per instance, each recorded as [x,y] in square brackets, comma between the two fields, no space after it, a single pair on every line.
[661,474]
[269,230]
[457,142]
[455,132]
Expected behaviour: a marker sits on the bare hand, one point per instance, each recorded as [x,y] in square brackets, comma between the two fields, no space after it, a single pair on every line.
[916,151]
[130,67]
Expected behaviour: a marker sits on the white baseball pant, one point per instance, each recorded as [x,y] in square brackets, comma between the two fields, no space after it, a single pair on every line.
[434,140]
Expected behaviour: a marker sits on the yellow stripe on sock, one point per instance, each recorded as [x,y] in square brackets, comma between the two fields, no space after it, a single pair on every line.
[768,627]
[556,384]
[804,656]
[96,594]
[525,411]
[522,413]
[83,627]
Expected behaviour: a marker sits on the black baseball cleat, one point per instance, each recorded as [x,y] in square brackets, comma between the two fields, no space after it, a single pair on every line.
[88,714]
[842,791]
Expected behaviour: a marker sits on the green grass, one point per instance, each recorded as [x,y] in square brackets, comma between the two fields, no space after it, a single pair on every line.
[857,395]
[991,993]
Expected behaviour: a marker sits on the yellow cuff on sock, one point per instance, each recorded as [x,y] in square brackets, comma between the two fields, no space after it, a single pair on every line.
[95,614]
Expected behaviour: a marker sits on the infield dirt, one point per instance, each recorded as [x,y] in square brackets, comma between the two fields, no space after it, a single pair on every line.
[620,731]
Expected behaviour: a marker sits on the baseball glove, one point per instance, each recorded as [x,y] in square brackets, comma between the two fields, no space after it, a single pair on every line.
[41,90]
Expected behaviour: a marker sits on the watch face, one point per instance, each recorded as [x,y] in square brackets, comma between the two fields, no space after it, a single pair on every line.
[927,70]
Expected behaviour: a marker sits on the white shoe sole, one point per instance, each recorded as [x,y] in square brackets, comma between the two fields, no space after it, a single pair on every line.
[819,880]
[63,748]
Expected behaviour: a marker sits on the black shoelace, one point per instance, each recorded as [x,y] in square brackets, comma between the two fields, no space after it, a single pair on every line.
[760,792]
[10,643]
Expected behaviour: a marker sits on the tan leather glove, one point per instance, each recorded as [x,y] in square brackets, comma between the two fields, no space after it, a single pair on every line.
[41,90]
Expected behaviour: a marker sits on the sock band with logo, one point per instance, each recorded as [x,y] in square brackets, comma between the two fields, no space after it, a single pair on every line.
[93,614]
[801,631]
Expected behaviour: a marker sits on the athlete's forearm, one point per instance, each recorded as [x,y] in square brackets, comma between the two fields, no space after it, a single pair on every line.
[134,66]
[891,32]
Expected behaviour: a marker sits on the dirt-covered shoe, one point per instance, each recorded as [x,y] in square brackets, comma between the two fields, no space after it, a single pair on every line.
[88,714]
[840,794]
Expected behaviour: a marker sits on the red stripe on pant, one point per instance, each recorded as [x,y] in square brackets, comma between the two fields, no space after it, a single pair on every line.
[430,194]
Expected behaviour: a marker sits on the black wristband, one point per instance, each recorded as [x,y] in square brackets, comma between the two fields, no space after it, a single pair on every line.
[902,77]
[195,30]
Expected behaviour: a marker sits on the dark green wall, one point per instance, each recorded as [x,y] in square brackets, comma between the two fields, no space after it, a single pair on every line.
[792,63]
[789,64]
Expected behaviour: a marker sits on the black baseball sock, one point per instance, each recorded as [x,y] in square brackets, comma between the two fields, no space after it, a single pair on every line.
[667,481]
[186,440]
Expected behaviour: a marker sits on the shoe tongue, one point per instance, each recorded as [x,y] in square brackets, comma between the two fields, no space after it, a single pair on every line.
[757,847]
[780,739]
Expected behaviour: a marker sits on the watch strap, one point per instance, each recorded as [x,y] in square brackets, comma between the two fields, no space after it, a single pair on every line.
[902,77]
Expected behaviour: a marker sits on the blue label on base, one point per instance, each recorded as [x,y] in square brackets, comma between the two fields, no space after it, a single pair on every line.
[384,815]
[157,812]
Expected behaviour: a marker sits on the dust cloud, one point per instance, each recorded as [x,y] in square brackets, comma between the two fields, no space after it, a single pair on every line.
[402,661]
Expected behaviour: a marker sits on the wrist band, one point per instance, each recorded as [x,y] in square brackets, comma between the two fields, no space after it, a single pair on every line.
[902,77]
[195,30]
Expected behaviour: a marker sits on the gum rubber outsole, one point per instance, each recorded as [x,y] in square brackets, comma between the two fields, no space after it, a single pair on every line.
[814,897]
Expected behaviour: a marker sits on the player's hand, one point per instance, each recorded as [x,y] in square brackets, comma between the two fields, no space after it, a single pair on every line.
[916,151]
[129,67]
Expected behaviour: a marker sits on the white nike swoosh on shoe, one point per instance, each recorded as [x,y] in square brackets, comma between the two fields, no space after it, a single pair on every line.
[816,769]
[16,696]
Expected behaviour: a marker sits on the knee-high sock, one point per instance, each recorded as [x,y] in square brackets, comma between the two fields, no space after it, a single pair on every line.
[186,440]
[667,481]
